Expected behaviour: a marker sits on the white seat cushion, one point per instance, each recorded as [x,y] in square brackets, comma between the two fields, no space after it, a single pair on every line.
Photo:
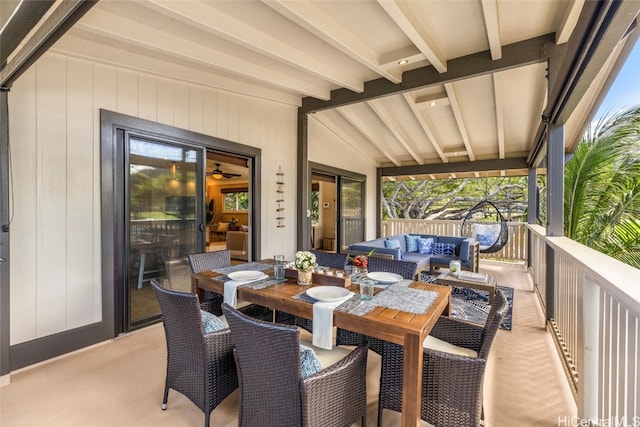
[433,343]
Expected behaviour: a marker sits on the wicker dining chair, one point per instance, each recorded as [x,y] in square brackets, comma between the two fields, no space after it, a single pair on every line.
[212,301]
[272,389]
[200,366]
[331,259]
[210,261]
[452,381]
[406,269]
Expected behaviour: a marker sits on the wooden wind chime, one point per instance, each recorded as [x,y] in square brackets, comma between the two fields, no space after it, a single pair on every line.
[280,198]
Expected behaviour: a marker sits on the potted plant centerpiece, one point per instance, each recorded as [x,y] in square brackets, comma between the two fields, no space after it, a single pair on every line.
[305,262]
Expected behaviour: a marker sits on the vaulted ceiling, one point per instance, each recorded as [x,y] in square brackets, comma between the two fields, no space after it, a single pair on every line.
[411,83]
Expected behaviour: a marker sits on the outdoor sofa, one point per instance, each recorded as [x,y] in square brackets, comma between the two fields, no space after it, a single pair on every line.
[427,250]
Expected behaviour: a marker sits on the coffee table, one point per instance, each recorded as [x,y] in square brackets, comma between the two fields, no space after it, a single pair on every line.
[489,285]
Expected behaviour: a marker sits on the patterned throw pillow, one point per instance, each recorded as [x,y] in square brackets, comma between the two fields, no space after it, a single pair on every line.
[412,242]
[486,240]
[211,322]
[392,244]
[425,246]
[444,249]
[309,363]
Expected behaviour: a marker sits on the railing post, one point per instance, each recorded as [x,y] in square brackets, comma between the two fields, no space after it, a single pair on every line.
[550,283]
[587,401]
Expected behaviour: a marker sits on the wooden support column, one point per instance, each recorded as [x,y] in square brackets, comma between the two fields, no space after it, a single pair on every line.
[4,237]
[304,184]
[555,180]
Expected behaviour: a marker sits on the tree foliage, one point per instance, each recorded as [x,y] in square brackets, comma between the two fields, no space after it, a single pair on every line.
[602,188]
[452,198]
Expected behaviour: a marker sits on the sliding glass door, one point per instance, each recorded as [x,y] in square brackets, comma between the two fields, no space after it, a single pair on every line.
[162,210]
[351,220]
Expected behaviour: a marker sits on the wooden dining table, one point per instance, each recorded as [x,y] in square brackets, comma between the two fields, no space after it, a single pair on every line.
[399,327]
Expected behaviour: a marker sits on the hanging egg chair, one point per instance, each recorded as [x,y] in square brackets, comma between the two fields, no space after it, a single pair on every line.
[487,226]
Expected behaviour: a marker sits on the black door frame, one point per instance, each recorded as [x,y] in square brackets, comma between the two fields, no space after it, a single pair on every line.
[114,265]
[339,174]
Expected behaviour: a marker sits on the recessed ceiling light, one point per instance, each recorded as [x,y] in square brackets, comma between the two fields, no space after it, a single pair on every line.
[403,62]
[433,103]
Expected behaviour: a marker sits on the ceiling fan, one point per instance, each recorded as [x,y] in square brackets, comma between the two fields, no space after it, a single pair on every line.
[218,174]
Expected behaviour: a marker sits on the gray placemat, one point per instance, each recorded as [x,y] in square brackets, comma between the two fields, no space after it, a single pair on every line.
[250,266]
[398,297]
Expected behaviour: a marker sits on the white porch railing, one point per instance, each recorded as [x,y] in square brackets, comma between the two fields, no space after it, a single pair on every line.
[595,318]
[514,250]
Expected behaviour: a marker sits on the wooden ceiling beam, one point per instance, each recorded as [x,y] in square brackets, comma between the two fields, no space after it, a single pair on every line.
[478,64]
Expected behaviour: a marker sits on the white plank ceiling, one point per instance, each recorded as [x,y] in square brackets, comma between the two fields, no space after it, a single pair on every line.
[291,50]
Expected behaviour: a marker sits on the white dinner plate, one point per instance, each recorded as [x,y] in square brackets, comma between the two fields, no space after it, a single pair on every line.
[384,277]
[246,275]
[327,293]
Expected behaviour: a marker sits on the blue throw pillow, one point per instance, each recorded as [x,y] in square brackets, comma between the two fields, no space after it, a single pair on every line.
[486,240]
[392,244]
[425,246]
[444,249]
[412,242]
[309,363]
[211,322]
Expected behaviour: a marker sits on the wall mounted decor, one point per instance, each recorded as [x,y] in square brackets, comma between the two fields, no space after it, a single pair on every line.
[280,198]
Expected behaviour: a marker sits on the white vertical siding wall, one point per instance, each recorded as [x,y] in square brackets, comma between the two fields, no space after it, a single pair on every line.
[55,147]
[325,148]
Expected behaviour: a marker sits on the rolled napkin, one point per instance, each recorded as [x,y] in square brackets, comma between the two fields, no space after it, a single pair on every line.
[323,322]
[231,292]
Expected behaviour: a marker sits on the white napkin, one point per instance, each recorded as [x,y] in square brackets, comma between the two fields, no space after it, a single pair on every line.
[323,322]
[230,292]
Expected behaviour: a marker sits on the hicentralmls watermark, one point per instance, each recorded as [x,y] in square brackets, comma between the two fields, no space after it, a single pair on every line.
[604,422]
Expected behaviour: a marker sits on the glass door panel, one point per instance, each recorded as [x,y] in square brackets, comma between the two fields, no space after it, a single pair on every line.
[162,214]
[351,221]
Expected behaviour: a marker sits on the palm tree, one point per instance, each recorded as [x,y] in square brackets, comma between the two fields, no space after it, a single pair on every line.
[602,188]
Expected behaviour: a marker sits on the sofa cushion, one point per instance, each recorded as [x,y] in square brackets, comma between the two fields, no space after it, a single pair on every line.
[418,258]
[309,363]
[211,322]
[425,245]
[444,248]
[488,232]
[392,244]
[412,242]
[486,240]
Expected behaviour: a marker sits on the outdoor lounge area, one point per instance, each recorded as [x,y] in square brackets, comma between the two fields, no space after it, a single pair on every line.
[524,374]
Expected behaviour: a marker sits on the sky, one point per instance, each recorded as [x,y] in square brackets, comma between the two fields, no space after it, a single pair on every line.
[625,91]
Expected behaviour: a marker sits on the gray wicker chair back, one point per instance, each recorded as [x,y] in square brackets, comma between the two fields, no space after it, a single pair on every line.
[491,326]
[331,259]
[272,391]
[209,260]
[268,360]
[406,269]
[451,384]
[199,366]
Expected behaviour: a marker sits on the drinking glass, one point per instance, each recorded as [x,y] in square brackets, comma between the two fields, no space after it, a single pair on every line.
[278,267]
[366,289]
[350,271]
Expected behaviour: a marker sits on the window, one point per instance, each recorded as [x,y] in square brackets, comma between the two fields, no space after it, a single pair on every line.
[235,199]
